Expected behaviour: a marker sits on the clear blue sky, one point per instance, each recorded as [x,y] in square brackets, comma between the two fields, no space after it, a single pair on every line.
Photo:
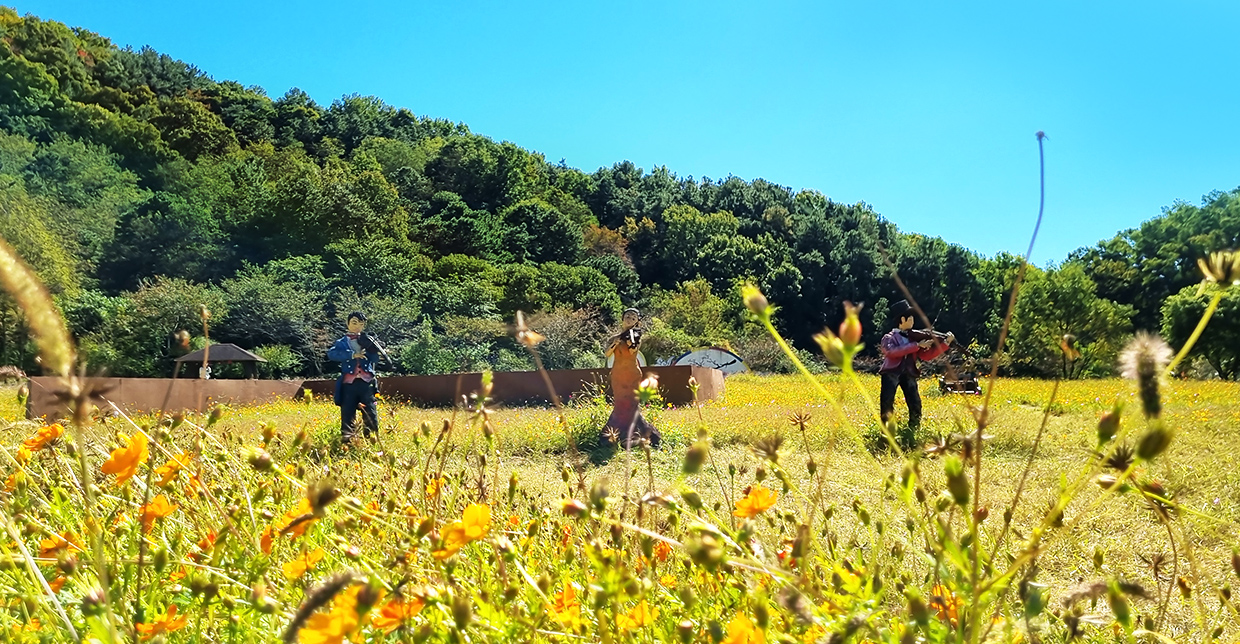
[925,110]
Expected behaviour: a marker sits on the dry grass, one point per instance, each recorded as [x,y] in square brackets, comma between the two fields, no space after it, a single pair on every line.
[1199,470]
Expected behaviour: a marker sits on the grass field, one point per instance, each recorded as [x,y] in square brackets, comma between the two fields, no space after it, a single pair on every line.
[1199,472]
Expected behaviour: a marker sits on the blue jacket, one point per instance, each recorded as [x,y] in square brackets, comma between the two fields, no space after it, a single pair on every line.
[343,353]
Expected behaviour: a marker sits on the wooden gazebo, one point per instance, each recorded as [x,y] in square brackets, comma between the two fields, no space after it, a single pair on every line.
[224,352]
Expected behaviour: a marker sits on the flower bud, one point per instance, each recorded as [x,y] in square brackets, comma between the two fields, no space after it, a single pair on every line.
[755,301]
[695,458]
[832,347]
[1108,426]
[1154,442]
[850,328]
[574,508]
[957,480]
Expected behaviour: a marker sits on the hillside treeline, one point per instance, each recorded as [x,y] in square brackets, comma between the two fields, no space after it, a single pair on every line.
[140,188]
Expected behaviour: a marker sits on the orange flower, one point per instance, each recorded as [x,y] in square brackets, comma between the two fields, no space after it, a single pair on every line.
[641,615]
[662,550]
[167,472]
[667,581]
[23,455]
[514,522]
[301,565]
[334,626]
[57,583]
[757,501]
[44,437]
[265,540]
[10,483]
[124,461]
[567,609]
[158,508]
[743,631]
[192,486]
[397,612]
[51,546]
[161,625]
[474,525]
[372,509]
[945,603]
[295,522]
[433,486]
[204,545]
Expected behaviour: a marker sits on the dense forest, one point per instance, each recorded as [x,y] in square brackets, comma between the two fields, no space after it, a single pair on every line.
[140,188]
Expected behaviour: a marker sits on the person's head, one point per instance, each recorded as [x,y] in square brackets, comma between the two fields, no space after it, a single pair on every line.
[630,318]
[902,315]
[356,322]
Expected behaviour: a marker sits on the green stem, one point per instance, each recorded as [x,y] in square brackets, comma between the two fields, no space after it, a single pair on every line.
[1192,339]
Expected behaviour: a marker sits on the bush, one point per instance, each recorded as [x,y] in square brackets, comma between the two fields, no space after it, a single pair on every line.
[282,361]
[573,338]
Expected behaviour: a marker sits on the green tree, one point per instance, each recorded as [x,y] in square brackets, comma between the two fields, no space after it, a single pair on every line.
[1218,344]
[535,232]
[1145,265]
[1059,302]
[191,129]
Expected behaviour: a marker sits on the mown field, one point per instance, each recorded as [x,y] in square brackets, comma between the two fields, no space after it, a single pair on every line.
[625,585]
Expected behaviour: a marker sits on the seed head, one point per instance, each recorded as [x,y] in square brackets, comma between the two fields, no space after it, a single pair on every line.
[1222,267]
[1143,360]
[525,335]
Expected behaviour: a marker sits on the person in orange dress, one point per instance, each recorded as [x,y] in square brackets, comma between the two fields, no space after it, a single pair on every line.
[626,421]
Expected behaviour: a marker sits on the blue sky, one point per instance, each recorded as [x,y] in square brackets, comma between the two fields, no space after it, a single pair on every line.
[925,110]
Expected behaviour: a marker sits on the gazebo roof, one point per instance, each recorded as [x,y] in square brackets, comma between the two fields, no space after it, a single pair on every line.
[223,352]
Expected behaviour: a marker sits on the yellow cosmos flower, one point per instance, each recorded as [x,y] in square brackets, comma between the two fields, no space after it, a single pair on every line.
[167,473]
[474,525]
[303,564]
[743,631]
[642,615]
[567,609]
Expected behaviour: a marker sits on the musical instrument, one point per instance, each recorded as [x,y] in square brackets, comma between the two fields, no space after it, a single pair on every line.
[631,336]
[371,343]
[921,335]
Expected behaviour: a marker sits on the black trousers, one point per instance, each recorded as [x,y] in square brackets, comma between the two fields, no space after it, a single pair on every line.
[912,397]
[353,394]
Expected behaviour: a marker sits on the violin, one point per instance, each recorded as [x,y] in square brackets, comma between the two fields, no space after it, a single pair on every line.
[921,335]
[371,343]
[631,336]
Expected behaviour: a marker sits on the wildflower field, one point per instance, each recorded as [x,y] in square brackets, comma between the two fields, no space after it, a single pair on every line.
[763,518]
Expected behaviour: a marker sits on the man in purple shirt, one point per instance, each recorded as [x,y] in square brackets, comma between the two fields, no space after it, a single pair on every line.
[900,356]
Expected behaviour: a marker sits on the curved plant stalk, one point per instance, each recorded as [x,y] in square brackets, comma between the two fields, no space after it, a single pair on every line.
[57,354]
[1192,339]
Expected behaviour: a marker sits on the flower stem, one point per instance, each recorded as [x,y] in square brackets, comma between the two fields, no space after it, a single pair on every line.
[1192,339]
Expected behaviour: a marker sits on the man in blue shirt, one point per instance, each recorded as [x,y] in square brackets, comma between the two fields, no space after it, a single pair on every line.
[356,385]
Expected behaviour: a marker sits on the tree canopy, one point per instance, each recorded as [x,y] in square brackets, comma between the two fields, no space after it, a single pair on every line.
[139,187]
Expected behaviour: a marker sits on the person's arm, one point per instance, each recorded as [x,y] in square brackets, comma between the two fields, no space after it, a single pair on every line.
[340,352]
[935,349]
[892,348]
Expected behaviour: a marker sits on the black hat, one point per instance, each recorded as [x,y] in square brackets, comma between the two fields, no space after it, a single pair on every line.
[901,310]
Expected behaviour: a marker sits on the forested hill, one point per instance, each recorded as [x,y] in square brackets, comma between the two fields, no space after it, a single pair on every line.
[139,187]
